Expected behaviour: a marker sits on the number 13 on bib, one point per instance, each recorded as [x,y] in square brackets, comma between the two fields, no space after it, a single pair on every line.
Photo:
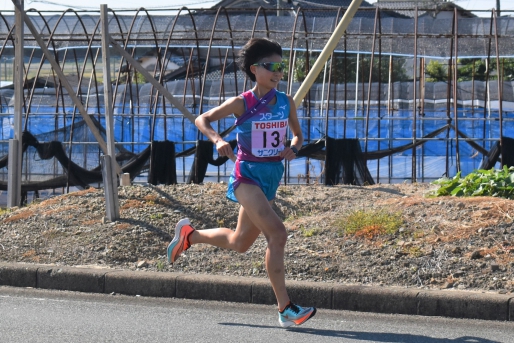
[268,137]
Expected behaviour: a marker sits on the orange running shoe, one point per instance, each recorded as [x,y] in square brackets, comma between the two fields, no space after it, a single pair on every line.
[180,242]
[295,315]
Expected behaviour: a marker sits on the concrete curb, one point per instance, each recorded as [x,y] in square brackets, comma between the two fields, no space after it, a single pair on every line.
[454,304]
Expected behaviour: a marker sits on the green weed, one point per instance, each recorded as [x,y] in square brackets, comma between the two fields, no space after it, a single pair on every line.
[160,265]
[156,216]
[415,251]
[481,182]
[369,223]
[308,232]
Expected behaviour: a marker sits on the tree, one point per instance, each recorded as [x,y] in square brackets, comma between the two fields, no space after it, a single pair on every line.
[472,69]
[344,69]
[436,71]
[468,69]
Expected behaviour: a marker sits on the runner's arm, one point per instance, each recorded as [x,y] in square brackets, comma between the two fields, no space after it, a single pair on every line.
[203,123]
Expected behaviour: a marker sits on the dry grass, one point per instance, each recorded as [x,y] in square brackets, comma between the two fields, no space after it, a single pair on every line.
[92,221]
[370,232]
[151,198]
[31,255]
[82,192]
[123,226]
[23,215]
[62,209]
[132,203]
[49,202]
[480,212]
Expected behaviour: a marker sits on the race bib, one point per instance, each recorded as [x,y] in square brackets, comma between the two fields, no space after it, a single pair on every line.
[268,137]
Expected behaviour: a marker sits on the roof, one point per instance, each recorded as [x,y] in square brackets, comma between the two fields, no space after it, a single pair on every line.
[408,8]
[294,5]
[287,4]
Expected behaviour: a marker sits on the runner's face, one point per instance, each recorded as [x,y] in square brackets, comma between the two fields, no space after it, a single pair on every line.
[266,77]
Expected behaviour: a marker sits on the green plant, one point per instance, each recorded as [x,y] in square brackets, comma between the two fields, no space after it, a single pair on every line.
[369,223]
[289,218]
[418,234]
[481,182]
[471,69]
[415,251]
[283,191]
[156,216]
[258,265]
[160,265]
[436,71]
[308,232]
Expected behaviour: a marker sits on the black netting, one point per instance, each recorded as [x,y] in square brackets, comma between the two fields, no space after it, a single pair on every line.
[162,164]
[74,175]
[506,151]
[202,46]
[204,157]
[345,163]
[490,159]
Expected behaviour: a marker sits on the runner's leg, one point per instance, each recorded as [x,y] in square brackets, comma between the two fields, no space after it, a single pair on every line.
[239,240]
[262,215]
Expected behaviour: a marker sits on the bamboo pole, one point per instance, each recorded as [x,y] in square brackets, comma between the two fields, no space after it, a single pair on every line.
[414,99]
[455,93]
[500,84]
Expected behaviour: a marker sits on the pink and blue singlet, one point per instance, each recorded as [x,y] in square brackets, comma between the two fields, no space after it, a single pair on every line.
[260,139]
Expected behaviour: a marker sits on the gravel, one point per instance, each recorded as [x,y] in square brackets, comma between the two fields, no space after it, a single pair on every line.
[443,243]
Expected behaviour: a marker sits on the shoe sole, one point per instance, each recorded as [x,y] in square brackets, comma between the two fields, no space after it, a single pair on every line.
[175,246]
[298,321]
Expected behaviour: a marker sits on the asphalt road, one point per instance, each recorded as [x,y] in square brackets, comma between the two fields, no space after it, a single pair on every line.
[30,315]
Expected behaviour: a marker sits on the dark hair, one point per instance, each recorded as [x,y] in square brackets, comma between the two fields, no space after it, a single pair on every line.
[254,51]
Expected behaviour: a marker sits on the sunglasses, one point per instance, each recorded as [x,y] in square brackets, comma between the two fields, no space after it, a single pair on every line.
[272,66]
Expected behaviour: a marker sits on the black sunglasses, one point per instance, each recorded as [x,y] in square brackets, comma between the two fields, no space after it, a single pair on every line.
[272,66]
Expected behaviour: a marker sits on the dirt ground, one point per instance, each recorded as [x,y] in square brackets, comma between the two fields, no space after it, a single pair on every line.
[444,243]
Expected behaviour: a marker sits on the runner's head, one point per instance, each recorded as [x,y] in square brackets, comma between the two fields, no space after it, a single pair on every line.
[254,51]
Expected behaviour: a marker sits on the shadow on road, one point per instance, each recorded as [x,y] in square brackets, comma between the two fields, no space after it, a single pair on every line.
[373,336]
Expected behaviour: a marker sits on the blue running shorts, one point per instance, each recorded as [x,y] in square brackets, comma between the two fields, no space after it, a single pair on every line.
[265,175]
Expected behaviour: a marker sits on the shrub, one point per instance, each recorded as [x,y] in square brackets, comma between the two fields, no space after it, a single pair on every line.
[496,183]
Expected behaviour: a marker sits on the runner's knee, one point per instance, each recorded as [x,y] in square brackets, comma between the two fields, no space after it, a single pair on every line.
[277,237]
